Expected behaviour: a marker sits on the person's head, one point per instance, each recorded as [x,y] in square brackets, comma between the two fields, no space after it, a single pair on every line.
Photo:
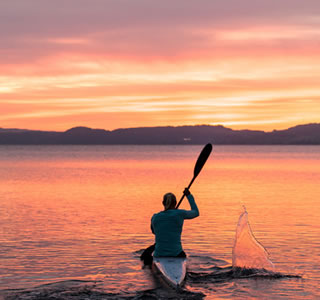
[169,201]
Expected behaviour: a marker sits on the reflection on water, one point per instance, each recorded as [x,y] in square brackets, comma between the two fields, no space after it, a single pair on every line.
[83,212]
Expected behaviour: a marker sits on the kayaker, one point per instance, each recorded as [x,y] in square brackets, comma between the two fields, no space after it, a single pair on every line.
[167,225]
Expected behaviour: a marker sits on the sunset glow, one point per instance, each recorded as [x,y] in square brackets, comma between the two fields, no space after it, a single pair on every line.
[114,64]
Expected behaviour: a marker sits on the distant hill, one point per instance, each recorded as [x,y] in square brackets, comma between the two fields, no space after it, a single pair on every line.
[308,134]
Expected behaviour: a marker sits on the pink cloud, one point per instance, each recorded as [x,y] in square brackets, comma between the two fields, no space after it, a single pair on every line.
[168,29]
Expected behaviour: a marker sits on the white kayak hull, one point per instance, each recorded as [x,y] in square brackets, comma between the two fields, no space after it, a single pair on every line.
[172,269]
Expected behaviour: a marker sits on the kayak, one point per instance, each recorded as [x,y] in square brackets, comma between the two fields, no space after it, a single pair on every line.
[172,269]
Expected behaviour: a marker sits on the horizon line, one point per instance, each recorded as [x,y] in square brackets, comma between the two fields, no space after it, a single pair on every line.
[162,126]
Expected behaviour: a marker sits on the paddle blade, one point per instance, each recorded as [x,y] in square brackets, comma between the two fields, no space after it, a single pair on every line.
[204,155]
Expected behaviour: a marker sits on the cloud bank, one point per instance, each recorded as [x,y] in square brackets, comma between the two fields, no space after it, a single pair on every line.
[126,63]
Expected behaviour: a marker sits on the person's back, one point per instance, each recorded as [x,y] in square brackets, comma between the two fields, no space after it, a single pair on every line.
[167,225]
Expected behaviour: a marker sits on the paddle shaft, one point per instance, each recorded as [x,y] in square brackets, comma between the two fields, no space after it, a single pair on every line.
[191,182]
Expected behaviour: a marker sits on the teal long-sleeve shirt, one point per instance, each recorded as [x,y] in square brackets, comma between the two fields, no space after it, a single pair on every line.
[167,227]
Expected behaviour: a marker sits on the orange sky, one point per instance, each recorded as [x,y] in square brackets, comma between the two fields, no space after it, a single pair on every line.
[122,63]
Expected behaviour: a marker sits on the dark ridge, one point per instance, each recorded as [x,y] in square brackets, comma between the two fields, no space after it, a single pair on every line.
[308,134]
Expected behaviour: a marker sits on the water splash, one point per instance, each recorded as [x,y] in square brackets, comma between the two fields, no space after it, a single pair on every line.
[247,252]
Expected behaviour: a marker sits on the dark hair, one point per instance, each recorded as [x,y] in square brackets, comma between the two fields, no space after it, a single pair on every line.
[168,200]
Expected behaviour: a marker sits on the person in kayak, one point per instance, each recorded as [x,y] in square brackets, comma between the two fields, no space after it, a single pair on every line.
[167,225]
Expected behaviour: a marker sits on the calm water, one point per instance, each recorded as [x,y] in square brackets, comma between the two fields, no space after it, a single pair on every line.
[75,219]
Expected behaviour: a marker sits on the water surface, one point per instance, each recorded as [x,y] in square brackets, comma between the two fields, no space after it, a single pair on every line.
[78,217]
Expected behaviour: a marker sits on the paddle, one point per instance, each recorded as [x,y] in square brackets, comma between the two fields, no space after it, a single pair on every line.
[205,153]
[146,256]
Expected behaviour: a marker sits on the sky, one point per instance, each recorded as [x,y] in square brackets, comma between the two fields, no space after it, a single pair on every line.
[140,63]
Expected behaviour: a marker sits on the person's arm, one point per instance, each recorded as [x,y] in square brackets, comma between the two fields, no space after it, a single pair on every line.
[152,225]
[194,212]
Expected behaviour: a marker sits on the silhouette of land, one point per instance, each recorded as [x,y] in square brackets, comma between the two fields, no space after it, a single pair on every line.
[308,134]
